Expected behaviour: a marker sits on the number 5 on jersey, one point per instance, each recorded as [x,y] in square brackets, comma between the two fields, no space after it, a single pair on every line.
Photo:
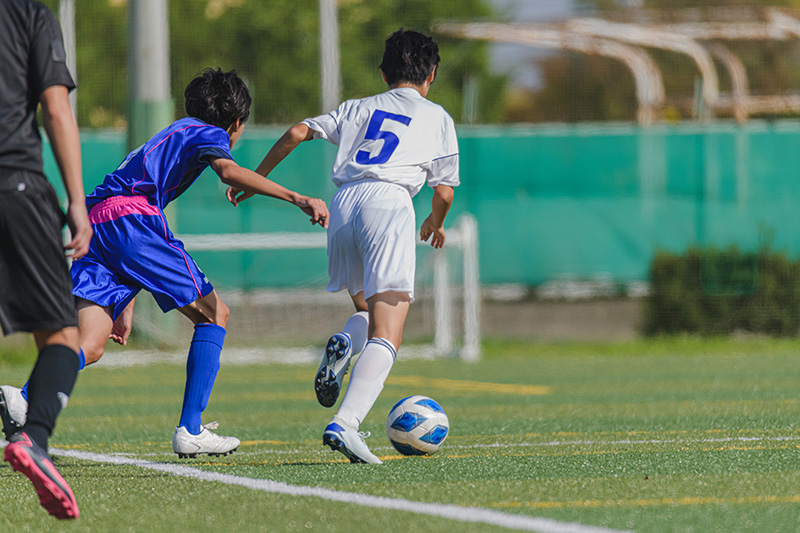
[374,133]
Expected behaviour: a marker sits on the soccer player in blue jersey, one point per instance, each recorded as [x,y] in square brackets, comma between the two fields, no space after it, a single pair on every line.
[134,249]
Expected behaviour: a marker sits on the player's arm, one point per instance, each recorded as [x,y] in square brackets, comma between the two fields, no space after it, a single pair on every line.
[282,148]
[289,141]
[434,224]
[62,130]
[123,325]
[241,179]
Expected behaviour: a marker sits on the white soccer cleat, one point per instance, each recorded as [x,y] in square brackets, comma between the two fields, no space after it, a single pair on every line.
[335,362]
[187,445]
[13,409]
[341,437]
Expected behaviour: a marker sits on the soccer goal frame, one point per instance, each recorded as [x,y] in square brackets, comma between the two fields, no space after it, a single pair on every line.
[461,237]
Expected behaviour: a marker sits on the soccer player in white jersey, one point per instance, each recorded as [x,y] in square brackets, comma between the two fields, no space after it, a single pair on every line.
[390,145]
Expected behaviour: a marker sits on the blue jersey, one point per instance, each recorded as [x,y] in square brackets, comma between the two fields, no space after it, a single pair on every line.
[166,165]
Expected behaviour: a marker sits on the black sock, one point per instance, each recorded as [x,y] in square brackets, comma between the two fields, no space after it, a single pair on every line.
[50,385]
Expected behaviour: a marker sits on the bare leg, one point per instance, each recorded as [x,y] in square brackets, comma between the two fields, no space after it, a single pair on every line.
[209,309]
[387,316]
[95,324]
[66,337]
[359,302]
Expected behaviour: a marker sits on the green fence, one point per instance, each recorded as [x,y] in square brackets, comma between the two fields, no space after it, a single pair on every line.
[551,202]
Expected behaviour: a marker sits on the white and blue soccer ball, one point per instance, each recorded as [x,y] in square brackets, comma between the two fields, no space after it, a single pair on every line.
[417,425]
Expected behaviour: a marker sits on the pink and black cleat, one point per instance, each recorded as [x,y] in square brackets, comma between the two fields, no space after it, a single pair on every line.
[28,458]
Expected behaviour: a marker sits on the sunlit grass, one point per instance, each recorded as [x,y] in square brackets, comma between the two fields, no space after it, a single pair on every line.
[651,435]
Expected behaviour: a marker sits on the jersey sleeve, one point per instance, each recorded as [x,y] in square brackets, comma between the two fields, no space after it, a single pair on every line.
[326,126]
[212,142]
[48,59]
[444,167]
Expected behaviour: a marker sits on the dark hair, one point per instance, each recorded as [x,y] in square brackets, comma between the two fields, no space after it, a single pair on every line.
[218,98]
[409,56]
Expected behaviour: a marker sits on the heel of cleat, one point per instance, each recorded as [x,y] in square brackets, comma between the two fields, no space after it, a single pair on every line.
[327,390]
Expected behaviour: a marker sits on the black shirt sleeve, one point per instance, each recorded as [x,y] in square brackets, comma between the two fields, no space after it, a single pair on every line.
[48,59]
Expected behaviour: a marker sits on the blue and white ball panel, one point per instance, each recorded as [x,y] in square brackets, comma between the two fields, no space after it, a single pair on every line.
[408,421]
[435,436]
[417,425]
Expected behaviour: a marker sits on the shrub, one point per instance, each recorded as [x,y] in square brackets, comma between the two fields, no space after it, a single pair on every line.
[712,292]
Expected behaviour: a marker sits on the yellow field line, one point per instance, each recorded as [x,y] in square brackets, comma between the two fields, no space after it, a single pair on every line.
[458,385]
[687,501]
[256,442]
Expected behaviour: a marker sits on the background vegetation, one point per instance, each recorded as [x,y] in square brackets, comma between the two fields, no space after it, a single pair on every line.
[717,292]
[275,46]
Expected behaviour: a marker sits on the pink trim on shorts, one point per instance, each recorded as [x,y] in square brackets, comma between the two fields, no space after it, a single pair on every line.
[185,258]
[119,206]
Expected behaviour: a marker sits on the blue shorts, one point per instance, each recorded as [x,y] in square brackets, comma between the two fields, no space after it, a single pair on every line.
[133,249]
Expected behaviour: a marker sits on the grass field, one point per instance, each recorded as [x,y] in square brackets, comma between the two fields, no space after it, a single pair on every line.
[668,435]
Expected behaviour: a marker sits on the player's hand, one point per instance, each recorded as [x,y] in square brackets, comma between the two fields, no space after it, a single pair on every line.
[123,325]
[315,208]
[433,232]
[80,228]
[237,196]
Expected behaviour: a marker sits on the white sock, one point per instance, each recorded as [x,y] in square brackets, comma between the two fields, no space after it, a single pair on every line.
[357,326]
[366,382]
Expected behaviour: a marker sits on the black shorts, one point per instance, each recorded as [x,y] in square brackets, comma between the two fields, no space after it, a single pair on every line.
[35,287]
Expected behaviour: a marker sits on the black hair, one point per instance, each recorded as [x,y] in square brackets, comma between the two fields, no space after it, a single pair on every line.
[409,56]
[218,98]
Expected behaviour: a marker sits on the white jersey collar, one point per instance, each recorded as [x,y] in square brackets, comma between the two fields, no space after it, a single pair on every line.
[406,90]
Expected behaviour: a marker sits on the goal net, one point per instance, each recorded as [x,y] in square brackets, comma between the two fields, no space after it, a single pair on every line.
[293,323]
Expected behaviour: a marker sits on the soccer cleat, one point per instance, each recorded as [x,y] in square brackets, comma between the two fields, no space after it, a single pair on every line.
[335,362]
[206,442]
[342,438]
[28,458]
[13,409]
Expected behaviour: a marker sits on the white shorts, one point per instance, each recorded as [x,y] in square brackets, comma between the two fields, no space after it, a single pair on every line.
[371,239]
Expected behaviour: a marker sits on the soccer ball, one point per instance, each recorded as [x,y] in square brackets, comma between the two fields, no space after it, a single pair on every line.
[417,425]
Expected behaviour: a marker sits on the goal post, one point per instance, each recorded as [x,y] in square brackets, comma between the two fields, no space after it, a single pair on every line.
[447,281]
[463,237]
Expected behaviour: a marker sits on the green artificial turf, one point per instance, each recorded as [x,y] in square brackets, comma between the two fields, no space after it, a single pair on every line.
[653,435]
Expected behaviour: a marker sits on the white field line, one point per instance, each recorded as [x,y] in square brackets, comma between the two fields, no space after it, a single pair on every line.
[552,444]
[452,512]
[549,444]
[300,355]
[230,356]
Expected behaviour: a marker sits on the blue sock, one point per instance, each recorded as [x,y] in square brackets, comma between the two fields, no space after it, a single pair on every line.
[81,366]
[202,366]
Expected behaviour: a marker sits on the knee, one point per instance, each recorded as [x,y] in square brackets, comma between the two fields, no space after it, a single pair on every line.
[93,353]
[223,313]
[218,315]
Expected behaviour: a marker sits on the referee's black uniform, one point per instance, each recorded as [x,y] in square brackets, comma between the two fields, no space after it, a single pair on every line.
[35,287]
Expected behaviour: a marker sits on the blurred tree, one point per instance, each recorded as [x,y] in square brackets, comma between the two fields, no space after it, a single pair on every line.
[101,28]
[368,22]
[275,47]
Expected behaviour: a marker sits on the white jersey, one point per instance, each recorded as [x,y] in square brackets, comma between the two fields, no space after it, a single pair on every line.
[398,137]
